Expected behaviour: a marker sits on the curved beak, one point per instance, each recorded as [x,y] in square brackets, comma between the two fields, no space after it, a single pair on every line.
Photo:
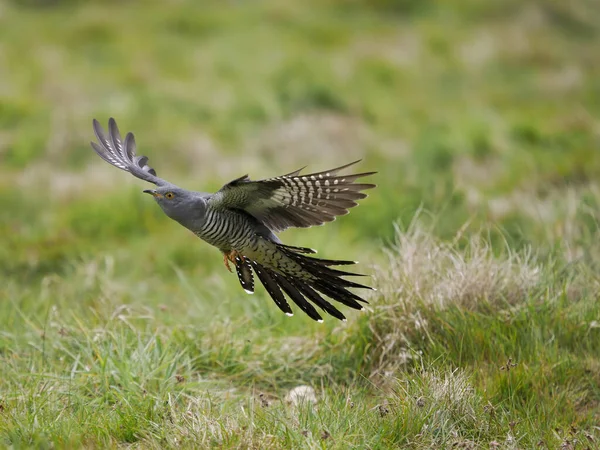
[152,192]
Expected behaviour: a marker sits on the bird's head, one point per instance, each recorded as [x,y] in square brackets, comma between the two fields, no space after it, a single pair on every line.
[179,204]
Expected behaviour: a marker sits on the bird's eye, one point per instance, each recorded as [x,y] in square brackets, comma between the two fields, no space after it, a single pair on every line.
[169,195]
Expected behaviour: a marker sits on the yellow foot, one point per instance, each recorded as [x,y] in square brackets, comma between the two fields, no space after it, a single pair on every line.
[230,257]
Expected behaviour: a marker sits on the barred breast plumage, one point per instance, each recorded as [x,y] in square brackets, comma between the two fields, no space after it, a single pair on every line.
[226,230]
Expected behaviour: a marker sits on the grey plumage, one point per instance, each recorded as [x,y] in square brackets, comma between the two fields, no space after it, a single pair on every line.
[240,220]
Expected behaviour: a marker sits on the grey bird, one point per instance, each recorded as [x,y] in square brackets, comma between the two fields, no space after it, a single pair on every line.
[242,217]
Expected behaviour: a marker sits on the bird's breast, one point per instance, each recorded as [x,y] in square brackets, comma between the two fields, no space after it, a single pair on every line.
[226,230]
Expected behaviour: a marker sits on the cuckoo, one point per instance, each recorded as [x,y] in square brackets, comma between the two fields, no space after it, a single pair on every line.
[241,220]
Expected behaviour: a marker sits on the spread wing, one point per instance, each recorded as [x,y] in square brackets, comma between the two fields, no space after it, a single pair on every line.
[121,154]
[295,200]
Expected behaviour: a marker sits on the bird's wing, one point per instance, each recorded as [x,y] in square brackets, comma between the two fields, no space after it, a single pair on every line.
[112,149]
[294,200]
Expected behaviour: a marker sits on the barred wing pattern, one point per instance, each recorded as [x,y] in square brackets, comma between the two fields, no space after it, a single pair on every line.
[295,200]
[121,154]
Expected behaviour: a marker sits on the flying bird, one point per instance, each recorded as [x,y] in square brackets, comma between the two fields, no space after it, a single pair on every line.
[241,220]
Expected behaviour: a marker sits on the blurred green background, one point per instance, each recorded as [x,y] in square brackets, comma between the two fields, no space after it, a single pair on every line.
[476,111]
[477,116]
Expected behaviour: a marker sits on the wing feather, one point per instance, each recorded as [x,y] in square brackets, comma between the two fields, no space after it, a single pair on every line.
[295,200]
[122,153]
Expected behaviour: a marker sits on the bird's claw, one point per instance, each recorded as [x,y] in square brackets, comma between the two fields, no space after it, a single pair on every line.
[230,257]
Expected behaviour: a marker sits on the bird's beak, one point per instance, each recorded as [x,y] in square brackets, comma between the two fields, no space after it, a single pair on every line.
[152,192]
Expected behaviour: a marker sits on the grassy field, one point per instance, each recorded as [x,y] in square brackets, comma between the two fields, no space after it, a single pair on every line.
[118,328]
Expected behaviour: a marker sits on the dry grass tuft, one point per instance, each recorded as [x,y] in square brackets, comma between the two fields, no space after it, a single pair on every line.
[424,270]
[425,274]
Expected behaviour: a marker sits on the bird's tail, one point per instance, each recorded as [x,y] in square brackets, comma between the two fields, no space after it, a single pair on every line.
[305,280]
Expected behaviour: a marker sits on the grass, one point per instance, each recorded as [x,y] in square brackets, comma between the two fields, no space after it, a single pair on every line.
[120,329]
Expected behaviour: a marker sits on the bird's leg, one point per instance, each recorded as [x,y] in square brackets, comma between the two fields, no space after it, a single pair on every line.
[226,261]
[230,256]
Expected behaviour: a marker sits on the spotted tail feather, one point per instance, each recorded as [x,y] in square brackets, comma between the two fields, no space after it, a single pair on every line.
[307,290]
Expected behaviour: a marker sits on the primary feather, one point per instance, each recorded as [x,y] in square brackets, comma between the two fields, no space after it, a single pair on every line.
[121,154]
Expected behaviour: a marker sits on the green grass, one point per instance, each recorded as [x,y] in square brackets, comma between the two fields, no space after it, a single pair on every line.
[120,329]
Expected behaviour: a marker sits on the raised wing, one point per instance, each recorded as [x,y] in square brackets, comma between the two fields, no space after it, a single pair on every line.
[295,200]
[121,154]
